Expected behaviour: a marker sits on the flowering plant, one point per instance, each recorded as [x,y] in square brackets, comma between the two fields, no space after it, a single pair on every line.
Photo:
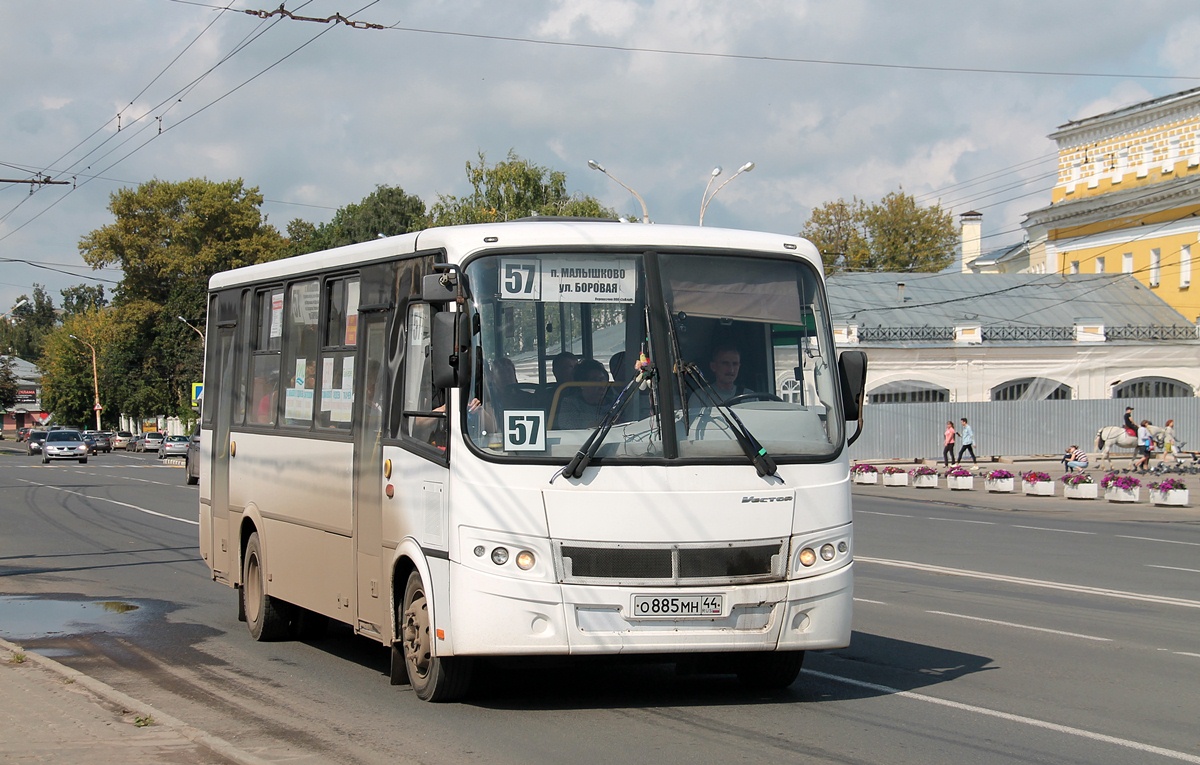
[996,475]
[1115,481]
[862,467]
[1036,476]
[1169,484]
[1074,479]
[893,469]
[923,470]
[958,472]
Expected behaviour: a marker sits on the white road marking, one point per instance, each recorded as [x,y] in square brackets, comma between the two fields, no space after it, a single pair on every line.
[1061,531]
[1166,541]
[962,520]
[873,512]
[1082,589]
[1021,626]
[1176,568]
[113,501]
[1020,719]
[864,600]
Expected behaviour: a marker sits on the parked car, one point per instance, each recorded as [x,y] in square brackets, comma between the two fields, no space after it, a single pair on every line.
[22,434]
[134,444]
[120,439]
[192,464]
[64,445]
[34,441]
[152,441]
[173,446]
[101,441]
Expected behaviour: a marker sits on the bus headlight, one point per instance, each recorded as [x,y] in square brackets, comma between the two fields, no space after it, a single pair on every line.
[807,557]
[827,551]
[525,560]
[500,556]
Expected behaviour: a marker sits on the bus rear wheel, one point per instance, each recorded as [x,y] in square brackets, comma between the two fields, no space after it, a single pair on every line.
[264,616]
[433,678]
[769,670]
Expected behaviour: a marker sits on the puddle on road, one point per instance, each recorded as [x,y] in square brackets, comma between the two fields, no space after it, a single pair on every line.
[31,618]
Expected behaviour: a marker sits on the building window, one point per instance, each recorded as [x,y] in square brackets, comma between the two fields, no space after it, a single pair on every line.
[1032,389]
[1155,266]
[1100,265]
[908,392]
[1153,387]
[1185,266]
[1127,263]
[1074,267]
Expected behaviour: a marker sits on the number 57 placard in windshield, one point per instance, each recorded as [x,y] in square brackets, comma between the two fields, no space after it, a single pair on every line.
[568,280]
[524,430]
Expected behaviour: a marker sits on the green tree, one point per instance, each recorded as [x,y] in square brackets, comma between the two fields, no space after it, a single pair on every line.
[8,383]
[169,238]
[82,298]
[23,334]
[511,189]
[894,234]
[387,211]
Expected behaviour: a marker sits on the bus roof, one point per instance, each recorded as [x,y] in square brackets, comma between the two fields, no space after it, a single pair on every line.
[461,241]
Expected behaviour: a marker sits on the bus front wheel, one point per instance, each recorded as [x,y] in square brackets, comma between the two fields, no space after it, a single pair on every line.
[432,678]
[770,670]
[264,616]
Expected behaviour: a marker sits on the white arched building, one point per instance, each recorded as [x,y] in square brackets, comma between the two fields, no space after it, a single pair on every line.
[954,337]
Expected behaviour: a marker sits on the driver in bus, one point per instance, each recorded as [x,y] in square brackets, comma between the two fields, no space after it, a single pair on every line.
[725,363]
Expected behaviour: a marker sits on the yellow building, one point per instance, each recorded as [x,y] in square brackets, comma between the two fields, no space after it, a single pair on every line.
[1127,199]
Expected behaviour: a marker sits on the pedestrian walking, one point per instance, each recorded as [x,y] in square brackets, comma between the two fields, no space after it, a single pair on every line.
[948,442]
[968,442]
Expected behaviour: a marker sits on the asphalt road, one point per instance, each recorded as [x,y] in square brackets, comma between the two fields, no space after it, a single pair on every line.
[982,635]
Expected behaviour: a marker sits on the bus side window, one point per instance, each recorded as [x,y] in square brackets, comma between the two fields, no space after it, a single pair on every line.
[424,412]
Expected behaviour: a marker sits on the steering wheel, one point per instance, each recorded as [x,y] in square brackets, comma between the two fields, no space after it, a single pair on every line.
[744,397]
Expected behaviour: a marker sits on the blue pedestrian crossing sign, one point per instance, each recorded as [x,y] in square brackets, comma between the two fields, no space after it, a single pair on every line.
[197,393]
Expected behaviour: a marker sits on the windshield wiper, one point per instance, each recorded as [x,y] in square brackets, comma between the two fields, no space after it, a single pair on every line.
[754,450]
[579,462]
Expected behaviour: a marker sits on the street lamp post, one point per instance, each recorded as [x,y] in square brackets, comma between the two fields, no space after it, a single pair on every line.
[95,379]
[194,329]
[717,171]
[10,311]
[645,213]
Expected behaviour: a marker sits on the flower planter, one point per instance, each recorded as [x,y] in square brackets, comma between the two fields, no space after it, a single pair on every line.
[999,485]
[960,482]
[1081,491]
[1175,497]
[866,477]
[1038,488]
[1113,494]
[925,481]
[895,479]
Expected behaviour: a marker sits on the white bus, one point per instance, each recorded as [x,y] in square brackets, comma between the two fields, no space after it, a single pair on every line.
[384,443]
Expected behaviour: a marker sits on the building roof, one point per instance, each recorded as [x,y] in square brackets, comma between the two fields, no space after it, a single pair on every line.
[998,301]
[1000,255]
[1162,102]
[25,372]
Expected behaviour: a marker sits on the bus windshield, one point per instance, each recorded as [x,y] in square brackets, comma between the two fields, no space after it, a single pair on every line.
[562,338]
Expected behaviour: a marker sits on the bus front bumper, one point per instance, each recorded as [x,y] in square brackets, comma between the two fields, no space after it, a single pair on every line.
[501,616]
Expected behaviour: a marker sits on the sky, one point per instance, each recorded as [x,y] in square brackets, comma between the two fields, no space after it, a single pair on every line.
[951,102]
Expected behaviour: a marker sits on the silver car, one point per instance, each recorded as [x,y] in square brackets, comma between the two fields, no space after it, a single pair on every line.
[64,445]
[173,446]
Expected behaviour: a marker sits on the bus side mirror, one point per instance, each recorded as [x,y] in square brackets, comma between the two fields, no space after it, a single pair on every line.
[439,289]
[852,372]
[450,349]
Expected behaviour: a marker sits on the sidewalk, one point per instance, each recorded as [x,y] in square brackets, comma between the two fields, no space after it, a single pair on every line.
[980,497]
[54,714]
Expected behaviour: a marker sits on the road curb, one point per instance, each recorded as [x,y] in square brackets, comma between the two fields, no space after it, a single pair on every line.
[217,745]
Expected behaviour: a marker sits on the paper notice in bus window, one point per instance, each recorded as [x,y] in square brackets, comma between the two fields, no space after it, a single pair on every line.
[276,314]
[351,313]
[568,280]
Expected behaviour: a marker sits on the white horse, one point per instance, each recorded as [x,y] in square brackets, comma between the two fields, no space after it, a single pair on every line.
[1116,435]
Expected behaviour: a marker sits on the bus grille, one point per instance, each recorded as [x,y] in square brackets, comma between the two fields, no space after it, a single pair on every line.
[627,564]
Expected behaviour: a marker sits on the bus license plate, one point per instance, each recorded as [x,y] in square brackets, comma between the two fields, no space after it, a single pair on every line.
[677,606]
